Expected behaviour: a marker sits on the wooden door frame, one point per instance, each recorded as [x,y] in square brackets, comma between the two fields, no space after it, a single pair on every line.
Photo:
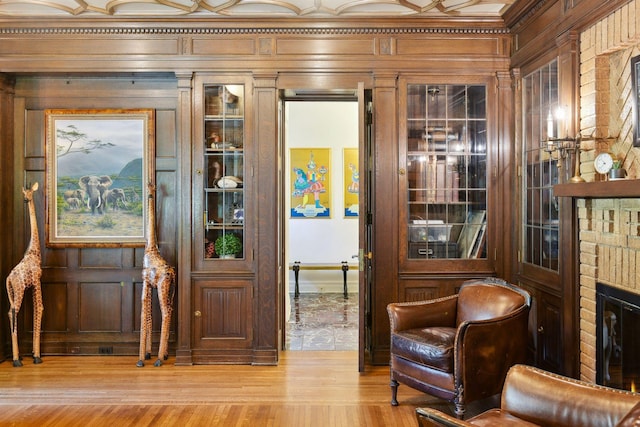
[319,82]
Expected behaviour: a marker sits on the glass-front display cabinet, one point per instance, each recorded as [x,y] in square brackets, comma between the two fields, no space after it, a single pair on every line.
[223,173]
[446,168]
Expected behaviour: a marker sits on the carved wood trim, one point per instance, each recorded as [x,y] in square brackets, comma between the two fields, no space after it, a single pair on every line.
[140,29]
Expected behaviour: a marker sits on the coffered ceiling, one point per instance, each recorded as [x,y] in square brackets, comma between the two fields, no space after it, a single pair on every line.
[254,8]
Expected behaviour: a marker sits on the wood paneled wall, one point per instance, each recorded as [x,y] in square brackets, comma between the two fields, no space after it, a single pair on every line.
[91,295]
[6,189]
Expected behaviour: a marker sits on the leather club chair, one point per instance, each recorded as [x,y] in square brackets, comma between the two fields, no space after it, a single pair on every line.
[459,348]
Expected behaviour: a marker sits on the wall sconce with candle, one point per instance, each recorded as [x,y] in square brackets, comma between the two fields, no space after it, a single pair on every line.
[563,146]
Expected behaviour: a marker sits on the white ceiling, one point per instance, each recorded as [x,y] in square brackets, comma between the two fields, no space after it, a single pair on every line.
[253,8]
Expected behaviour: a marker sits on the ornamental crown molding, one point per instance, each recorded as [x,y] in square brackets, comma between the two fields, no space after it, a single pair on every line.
[265,30]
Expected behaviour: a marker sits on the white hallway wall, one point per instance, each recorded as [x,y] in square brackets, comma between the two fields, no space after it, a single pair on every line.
[334,125]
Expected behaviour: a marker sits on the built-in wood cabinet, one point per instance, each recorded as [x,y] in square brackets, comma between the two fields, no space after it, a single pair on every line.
[222,275]
[447,206]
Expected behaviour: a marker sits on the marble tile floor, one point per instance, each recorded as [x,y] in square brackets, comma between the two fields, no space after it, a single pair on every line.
[323,321]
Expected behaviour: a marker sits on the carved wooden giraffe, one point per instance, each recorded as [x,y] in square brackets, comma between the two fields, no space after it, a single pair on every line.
[24,275]
[156,273]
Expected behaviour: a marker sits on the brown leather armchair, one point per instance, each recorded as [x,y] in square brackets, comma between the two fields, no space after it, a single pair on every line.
[459,348]
[533,397]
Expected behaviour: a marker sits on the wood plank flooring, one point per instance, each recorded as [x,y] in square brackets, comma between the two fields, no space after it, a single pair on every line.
[305,389]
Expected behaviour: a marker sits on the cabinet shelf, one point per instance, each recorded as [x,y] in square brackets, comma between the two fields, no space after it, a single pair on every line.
[225,151]
[223,117]
[224,226]
[223,190]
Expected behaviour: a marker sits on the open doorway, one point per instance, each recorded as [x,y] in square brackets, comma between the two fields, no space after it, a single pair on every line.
[320,191]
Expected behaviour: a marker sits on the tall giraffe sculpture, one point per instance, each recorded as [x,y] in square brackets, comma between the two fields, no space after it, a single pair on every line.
[27,274]
[158,274]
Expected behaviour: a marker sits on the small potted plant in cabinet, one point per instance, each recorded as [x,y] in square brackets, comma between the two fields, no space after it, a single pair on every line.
[227,245]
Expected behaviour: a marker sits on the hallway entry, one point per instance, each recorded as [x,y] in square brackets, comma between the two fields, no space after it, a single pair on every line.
[321,223]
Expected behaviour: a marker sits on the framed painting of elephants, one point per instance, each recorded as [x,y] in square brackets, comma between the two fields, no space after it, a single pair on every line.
[98,164]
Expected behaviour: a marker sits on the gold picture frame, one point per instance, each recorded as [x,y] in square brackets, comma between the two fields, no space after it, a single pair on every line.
[98,163]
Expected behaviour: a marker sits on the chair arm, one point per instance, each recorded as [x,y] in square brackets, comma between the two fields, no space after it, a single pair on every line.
[572,403]
[428,417]
[421,314]
[486,349]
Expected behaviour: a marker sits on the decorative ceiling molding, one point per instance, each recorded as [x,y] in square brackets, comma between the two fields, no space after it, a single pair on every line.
[253,8]
[191,31]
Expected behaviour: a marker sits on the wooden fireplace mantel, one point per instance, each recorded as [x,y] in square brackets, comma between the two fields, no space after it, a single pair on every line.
[602,189]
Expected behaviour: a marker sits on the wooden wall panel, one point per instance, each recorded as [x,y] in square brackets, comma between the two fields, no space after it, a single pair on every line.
[6,189]
[166,205]
[385,215]
[100,307]
[35,132]
[60,46]
[100,258]
[55,299]
[166,135]
[447,47]
[92,294]
[539,27]
[223,46]
[333,46]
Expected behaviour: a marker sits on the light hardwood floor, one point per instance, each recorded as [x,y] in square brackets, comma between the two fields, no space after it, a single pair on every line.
[305,389]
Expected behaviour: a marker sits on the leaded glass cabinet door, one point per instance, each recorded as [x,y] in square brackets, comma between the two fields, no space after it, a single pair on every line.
[541,169]
[224,171]
[446,168]
[221,182]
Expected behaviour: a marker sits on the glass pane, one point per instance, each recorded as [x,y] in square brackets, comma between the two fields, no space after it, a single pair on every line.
[457,99]
[223,173]
[477,103]
[416,101]
[540,208]
[416,135]
[446,171]
[477,137]
[436,102]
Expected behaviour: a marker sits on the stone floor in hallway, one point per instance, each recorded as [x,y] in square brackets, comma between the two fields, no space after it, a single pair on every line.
[323,321]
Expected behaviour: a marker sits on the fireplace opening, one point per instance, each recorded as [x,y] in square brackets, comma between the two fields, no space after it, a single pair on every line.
[617,338]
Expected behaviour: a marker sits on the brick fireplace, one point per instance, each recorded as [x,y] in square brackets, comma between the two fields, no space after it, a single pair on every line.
[609,227]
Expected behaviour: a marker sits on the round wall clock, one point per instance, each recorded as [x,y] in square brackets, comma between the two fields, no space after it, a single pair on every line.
[603,163]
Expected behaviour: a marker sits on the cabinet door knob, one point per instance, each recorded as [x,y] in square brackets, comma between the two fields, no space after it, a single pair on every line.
[402,171]
[541,330]
[197,313]
[199,171]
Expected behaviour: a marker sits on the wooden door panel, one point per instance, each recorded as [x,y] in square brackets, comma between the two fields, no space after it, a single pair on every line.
[222,314]
[550,333]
